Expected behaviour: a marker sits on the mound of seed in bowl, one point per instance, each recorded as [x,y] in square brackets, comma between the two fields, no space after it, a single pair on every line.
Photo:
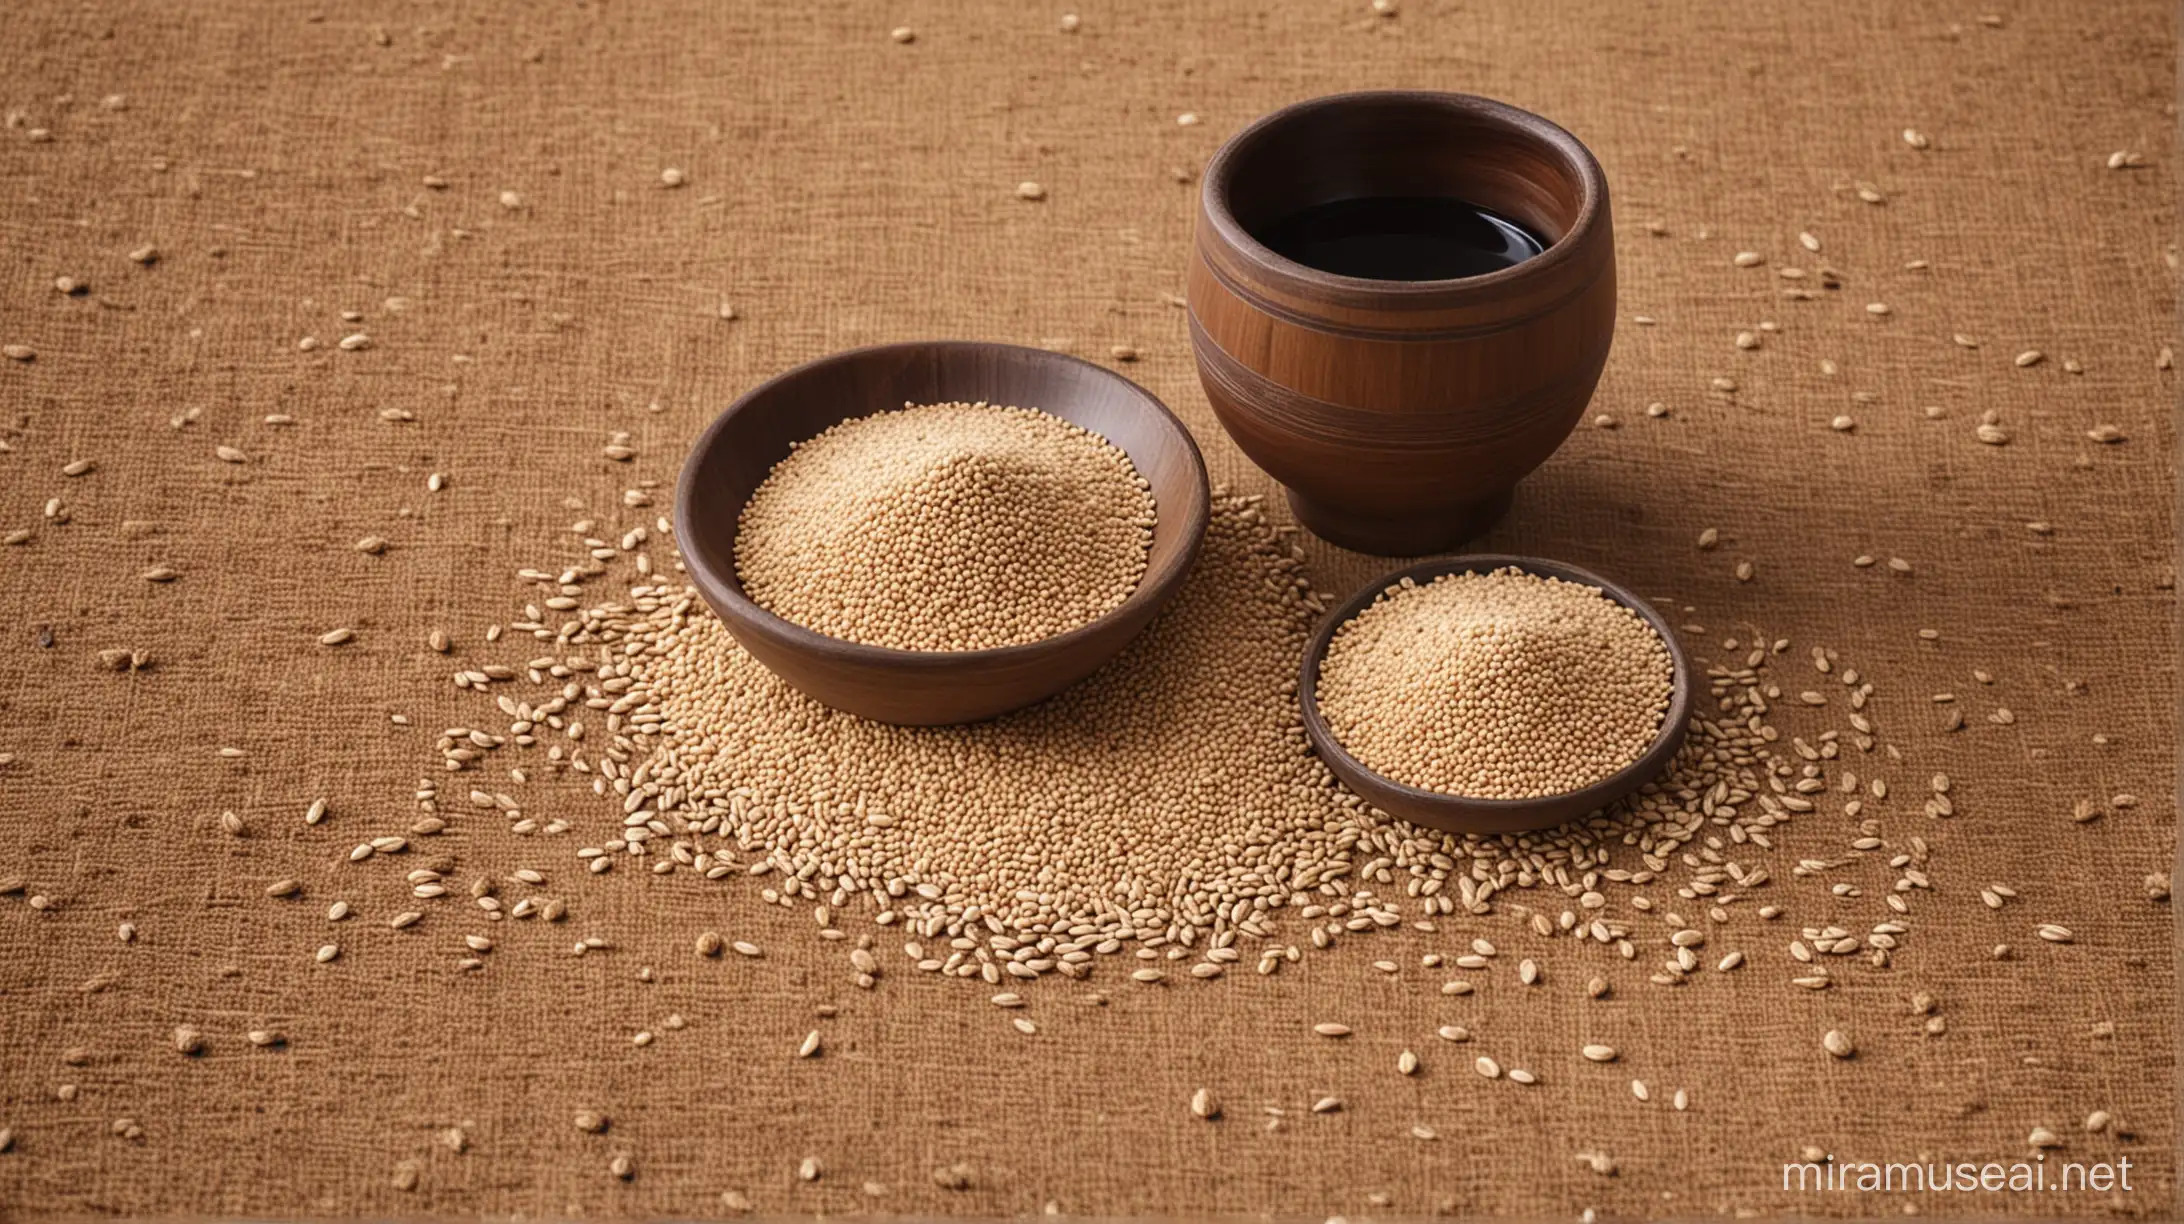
[947,527]
[1499,685]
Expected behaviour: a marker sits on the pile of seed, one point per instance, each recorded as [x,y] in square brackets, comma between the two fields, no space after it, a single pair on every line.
[1500,685]
[1165,809]
[947,527]
[1138,800]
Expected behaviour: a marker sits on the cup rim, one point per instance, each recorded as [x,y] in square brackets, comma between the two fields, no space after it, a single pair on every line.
[1290,274]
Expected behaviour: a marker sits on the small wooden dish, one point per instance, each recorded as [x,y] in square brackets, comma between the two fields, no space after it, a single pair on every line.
[927,688]
[1457,813]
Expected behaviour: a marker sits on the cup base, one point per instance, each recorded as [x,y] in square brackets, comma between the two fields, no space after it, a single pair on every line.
[1406,536]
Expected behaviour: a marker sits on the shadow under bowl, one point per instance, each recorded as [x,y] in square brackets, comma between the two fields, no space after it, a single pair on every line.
[1462,814]
[927,688]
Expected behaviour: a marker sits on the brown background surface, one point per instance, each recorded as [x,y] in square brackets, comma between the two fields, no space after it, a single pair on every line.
[846,190]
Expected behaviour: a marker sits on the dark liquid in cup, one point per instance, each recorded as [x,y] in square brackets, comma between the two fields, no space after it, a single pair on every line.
[1402,238]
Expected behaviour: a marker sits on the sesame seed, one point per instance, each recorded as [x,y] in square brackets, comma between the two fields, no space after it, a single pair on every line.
[1490,749]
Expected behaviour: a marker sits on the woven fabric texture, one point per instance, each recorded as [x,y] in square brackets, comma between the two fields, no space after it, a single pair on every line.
[482,185]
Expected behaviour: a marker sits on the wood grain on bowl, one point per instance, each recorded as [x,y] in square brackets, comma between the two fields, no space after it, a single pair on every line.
[1461,814]
[916,687]
[1400,414]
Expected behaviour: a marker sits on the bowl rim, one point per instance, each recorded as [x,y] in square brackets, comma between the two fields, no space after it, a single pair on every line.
[1592,181]
[1153,587]
[1667,742]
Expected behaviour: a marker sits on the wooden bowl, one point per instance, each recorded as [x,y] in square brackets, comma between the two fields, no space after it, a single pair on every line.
[931,687]
[1458,813]
[1401,414]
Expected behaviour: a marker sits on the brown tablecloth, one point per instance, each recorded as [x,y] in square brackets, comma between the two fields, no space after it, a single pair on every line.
[542,289]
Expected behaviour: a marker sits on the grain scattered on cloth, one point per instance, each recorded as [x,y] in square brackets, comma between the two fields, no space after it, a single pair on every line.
[486,190]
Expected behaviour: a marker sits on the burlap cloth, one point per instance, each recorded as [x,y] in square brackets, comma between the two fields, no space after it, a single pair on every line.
[845,189]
